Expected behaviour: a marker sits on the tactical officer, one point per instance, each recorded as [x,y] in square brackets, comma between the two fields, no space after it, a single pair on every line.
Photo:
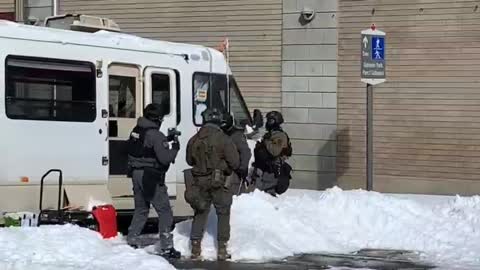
[271,172]
[213,156]
[149,158]
[238,178]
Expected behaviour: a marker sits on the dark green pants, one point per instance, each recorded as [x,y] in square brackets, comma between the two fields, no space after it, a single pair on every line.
[205,195]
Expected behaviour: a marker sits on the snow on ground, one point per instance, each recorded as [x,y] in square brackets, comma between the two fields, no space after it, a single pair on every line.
[265,228]
[70,247]
[445,231]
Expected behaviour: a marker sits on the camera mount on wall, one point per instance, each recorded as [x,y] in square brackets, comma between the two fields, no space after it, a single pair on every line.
[307,15]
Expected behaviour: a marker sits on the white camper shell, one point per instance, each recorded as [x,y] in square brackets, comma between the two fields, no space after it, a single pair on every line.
[70,99]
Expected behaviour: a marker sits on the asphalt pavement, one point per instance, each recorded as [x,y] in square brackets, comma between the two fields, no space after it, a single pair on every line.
[363,259]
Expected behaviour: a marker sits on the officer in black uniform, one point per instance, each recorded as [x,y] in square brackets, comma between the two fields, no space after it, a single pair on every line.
[237,135]
[149,158]
[272,173]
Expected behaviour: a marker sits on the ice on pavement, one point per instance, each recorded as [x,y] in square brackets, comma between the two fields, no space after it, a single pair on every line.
[265,228]
[70,247]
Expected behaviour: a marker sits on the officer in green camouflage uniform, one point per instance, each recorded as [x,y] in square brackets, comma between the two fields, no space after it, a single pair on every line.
[271,172]
[213,157]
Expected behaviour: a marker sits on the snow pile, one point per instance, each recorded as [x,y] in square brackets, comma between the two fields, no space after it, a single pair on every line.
[265,228]
[69,247]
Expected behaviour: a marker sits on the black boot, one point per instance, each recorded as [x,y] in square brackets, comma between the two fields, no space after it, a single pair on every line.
[222,253]
[170,253]
[196,249]
[133,242]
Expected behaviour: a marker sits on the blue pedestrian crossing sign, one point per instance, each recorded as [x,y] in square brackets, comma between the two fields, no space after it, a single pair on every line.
[373,61]
[378,48]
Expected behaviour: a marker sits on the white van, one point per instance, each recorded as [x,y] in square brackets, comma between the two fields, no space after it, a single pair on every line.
[70,99]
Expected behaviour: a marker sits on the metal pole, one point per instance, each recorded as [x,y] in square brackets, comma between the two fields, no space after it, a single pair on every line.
[369,137]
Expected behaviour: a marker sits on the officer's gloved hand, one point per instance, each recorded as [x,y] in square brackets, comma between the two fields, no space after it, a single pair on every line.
[176,145]
[242,173]
[170,137]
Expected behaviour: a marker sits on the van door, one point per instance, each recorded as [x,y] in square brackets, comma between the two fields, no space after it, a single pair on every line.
[125,106]
[161,87]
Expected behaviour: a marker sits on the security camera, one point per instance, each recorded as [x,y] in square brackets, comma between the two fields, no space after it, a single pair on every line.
[308,14]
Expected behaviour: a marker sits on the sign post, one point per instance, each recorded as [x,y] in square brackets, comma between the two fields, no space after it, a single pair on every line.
[372,73]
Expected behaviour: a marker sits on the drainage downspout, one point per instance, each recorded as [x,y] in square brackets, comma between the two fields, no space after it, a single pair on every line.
[55,7]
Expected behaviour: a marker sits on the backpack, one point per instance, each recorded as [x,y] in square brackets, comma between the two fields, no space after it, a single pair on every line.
[204,154]
[262,153]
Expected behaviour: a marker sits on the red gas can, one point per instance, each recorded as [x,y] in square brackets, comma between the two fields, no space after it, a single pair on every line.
[106,217]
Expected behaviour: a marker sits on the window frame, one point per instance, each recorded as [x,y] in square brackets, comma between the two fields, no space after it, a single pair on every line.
[169,92]
[45,60]
[231,79]
[240,97]
[134,96]
[178,95]
[227,98]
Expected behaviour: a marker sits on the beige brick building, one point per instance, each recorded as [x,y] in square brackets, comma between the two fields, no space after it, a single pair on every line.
[426,123]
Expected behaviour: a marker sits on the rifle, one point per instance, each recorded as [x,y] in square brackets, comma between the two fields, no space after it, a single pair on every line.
[243,181]
[173,134]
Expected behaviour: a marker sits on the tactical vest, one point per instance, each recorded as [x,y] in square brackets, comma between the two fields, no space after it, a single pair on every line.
[264,160]
[136,144]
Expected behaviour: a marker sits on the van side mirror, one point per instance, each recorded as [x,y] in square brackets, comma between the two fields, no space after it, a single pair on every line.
[257,119]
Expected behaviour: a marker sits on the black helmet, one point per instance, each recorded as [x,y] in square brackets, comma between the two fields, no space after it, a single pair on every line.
[213,116]
[153,112]
[227,122]
[274,120]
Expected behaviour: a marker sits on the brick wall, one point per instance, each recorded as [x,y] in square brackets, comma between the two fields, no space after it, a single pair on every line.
[309,85]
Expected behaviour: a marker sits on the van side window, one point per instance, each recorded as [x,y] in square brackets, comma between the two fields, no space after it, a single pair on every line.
[161,91]
[49,89]
[205,96]
[122,96]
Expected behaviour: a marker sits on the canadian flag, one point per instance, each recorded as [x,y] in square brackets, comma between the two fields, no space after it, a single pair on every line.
[225,45]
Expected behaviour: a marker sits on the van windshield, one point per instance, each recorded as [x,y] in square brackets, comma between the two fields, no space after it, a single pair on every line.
[238,107]
[218,97]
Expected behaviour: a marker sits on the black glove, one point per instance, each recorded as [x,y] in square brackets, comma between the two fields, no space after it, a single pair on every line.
[242,173]
[176,145]
[170,137]
[172,134]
